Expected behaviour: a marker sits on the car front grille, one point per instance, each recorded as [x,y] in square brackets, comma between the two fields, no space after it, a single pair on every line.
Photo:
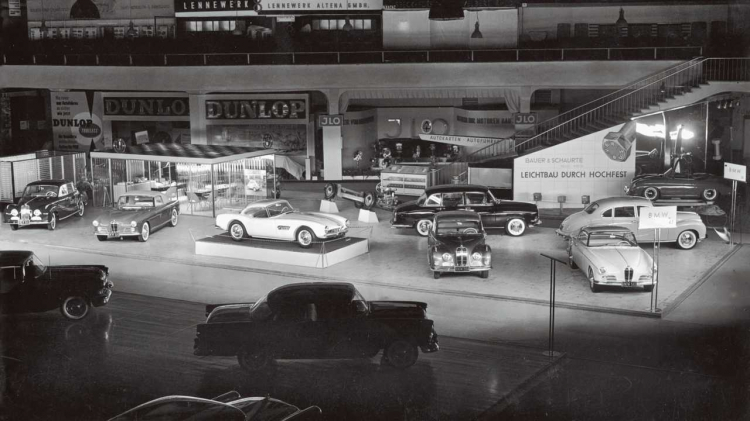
[332,231]
[113,227]
[462,256]
[628,274]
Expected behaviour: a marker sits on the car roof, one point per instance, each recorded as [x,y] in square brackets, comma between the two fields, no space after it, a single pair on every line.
[457,215]
[448,188]
[48,182]
[308,292]
[622,200]
[605,228]
[14,257]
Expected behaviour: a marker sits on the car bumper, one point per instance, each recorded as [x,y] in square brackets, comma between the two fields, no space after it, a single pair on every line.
[101,299]
[624,284]
[432,344]
[460,269]
[35,220]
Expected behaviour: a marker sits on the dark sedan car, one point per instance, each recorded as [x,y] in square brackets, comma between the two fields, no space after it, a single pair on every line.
[44,202]
[676,184]
[456,244]
[313,321]
[137,214]
[28,286]
[512,216]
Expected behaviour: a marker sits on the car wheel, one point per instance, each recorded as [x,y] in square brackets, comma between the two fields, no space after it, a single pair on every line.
[305,237]
[515,227]
[75,307]
[571,262]
[436,275]
[594,287]
[52,223]
[173,218]
[13,227]
[329,191]
[358,205]
[145,233]
[255,360]
[710,194]
[484,274]
[369,200]
[687,240]
[81,208]
[648,288]
[101,237]
[651,193]
[423,227]
[401,353]
[237,231]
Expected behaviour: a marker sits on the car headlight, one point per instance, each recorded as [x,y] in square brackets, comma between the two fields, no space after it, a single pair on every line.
[96,223]
[346,223]
[102,275]
[487,259]
[447,257]
[37,212]
[602,270]
[476,255]
[14,212]
[133,224]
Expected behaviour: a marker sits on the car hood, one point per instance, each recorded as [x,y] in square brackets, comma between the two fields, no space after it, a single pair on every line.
[317,217]
[36,202]
[617,258]
[453,241]
[230,313]
[398,309]
[122,216]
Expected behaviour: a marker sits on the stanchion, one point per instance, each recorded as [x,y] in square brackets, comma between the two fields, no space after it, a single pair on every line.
[552,261]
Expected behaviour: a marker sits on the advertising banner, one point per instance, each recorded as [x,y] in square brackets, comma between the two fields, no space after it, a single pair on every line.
[97,9]
[74,124]
[197,8]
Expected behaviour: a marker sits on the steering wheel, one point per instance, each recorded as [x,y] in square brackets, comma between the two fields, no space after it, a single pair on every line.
[623,243]
[285,209]
[470,231]
[50,194]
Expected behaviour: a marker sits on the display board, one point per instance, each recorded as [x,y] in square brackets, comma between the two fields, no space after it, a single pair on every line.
[405,179]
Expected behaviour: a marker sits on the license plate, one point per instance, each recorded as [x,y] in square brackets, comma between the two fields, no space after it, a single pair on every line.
[629,284]
[24,222]
[113,234]
[462,269]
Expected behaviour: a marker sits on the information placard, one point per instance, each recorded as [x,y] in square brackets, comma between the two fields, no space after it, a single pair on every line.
[657,217]
[735,172]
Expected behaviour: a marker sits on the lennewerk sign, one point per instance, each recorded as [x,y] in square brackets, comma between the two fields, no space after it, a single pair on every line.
[198,8]
[657,217]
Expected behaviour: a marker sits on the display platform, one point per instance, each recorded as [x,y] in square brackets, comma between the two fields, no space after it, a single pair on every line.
[320,255]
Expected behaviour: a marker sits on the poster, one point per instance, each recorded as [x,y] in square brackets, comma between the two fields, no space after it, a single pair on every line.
[74,126]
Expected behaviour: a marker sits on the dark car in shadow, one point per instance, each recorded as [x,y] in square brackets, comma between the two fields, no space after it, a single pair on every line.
[45,202]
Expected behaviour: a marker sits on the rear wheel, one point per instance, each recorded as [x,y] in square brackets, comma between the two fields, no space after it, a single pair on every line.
[329,191]
[401,354]
[423,227]
[710,194]
[515,227]
[687,240]
[648,288]
[237,231]
[651,193]
[369,200]
[173,218]
[436,275]
[13,227]
[484,274]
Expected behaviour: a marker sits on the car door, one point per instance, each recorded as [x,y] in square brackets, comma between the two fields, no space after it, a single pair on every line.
[478,202]
[65,201]
[576,244]
[296,333]
[160,214]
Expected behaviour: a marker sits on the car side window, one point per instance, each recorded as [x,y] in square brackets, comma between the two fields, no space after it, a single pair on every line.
[63,190]
[624,212]
[158,201]
[291,313]
[71,188]
[476,198]
[434,200]
[260,213]
[451,200]
[607,213]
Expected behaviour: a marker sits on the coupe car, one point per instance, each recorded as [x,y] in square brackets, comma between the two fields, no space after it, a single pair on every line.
[45,202]
[227,407]
[28,286]
[277,220]
[610,256]
[625,211]
[137,214]
[456,244]
[676,184]
[316,320]
[513,217]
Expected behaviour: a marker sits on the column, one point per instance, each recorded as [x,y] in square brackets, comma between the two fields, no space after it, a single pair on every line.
[332,142]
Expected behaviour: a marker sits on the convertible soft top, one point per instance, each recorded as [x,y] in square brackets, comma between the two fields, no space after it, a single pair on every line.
[310,292]
[14,257]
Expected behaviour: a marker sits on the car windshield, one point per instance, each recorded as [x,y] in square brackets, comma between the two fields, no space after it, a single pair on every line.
[135,202]
[38,190]
[187,409]
[421,199]
[279,208]
[591,208]
[456,227]
[612,239]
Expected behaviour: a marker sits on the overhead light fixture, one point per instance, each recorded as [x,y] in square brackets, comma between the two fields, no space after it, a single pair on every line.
[477,33]
[446,9]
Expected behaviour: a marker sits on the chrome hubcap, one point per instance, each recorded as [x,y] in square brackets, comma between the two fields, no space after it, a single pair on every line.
[75,307]
[144,231]
[516,227]
[174,218]
[686,239]
[236,231]
[424,226]
[305,237]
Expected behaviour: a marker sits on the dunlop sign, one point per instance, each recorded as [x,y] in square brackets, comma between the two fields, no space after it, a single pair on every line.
[735,172]
[658,217]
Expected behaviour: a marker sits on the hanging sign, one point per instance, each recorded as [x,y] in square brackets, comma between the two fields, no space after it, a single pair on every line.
[525,118]
[657,217]
[461,140]
[333,120]
[735,172]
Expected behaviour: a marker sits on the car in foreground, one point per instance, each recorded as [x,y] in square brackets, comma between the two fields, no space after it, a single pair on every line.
[28,286]
[316,320]
[674,184]
[456,244]
[610,256]
[276,219]
[625,211]
[45,202]
[137,214]
[227,407]
[514,217]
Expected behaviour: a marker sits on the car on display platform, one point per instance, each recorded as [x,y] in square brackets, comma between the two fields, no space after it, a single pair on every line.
[624,211]
[137,214]
[230,406]
[676,184]
[610,256]
[45,202]
[514,217]
[28,286]
[456,244]
[276,219]
[316,320]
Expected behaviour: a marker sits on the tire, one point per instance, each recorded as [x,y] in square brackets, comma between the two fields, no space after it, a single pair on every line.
[173,218]
[329,191]
[651,193]
[75,307]
[686,240]
[401,354]
[101,237]
[253,361]
[571,262]
[358,205]
[436,275]
[145,232]
[648,288]
[515,227]
[423,227]
[305,237]
[369,200]
[81,208]
[52,223]
[13,227]
[594,287]
[710,195]
[484,274]
[237,231]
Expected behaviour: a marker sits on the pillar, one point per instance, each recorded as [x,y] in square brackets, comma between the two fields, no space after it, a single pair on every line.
[332,141]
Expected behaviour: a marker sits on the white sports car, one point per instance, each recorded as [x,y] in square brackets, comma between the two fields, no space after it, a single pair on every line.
[278,220]
[609,255]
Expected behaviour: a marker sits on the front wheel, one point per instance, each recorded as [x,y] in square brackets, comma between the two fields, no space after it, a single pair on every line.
[145,233]
[648,288]
[369,200]
[401,354]
[515,227]
[436,275]
[651,193]
[572,262]
[52,223]
[305,237]
[594,287]
[253,361]
[13,227]
[687,240]
[329,191]
[75,307]
[81,208]
[173,218]
[423,227]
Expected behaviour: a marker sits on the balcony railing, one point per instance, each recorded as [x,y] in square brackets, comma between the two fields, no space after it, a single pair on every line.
[354,57]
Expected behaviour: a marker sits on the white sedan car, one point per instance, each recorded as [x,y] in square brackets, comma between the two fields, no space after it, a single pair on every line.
[609,255]
[278,220]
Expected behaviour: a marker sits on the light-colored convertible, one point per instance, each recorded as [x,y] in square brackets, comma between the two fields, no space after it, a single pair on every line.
[609,255]
[278,220]
[624,211]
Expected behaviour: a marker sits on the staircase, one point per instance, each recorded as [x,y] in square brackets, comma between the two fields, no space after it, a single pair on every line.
[646,95]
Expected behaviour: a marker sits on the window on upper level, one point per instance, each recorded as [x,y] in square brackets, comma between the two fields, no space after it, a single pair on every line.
[205,26]
[338,24]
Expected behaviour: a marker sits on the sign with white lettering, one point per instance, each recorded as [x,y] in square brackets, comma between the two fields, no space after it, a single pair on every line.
[333,120]
[66,10]
[197,8]
[74,126]
[657,217]
[735,172]
[525,118]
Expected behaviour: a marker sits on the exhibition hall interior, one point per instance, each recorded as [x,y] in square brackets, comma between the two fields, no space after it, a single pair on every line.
[374,210]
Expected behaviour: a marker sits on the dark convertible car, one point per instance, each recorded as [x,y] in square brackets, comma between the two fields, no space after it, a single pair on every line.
[456,244]
[137,214]
[316,320]
[679,182]
[512,216]
[45,202]
[28,286]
